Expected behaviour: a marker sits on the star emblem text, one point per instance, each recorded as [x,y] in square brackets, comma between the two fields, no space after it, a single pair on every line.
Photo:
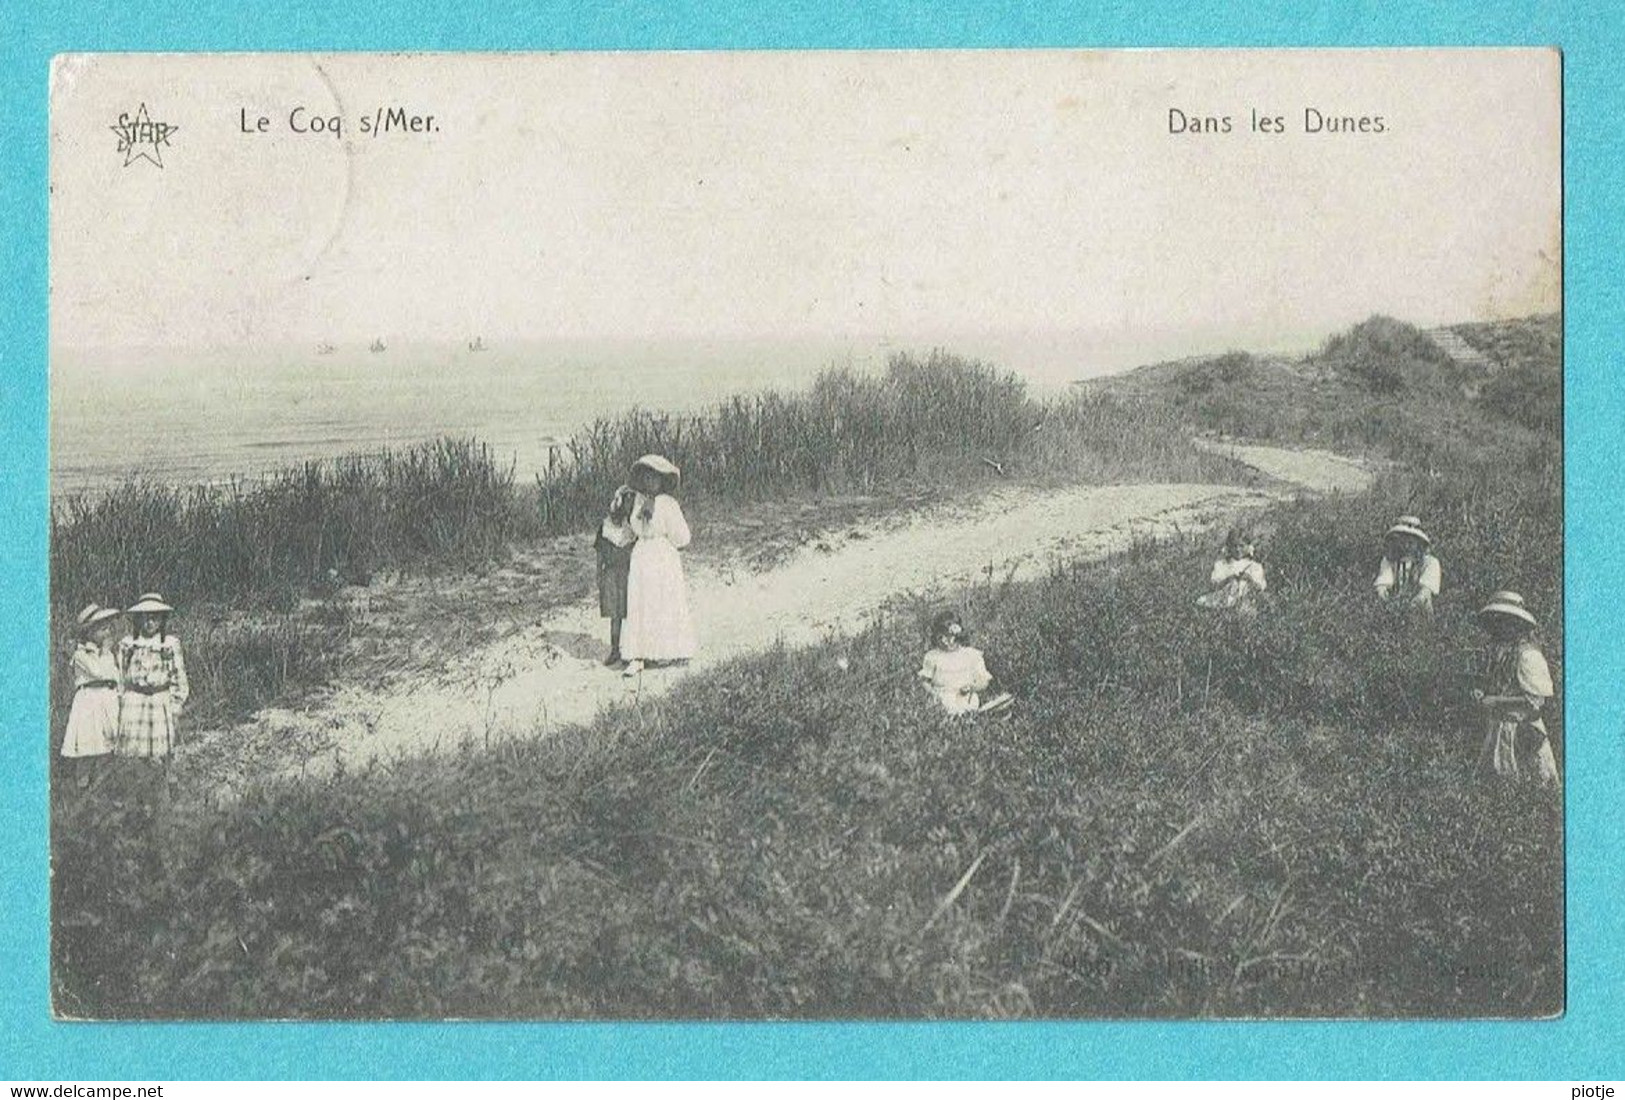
[140,137]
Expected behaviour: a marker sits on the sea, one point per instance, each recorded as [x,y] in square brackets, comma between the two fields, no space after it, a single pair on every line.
[211,415]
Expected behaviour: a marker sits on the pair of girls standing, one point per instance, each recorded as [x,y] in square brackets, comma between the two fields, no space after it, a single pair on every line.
[641,589]
[126,698]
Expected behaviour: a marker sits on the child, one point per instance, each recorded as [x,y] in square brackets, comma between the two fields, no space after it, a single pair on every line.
[1409,575]
[955,672]
[614,547]
[1237,577]
[153,674]
[658,626]
[93,717]
[1516,687]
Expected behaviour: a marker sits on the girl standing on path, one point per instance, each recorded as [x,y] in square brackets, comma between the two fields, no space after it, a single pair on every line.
[1517,685]
[153,673]
[1237,577]
[658,627]
[614,549]
[93,717]
[1409,575]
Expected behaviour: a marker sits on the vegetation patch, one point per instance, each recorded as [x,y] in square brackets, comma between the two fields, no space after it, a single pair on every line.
[1183,815]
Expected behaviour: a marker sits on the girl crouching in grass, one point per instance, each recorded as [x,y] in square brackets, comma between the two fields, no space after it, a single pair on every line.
[153,673]
[956,673]
[1237,579]
[1409,576]
[614,549]
[1517,685]
[93,717]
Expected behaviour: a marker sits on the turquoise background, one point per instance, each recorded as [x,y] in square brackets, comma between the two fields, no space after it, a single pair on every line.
[1585,1044]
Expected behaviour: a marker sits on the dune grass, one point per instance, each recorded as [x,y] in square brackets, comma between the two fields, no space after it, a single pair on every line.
[451,503]
[1381,388]
[240,558]
[1271,817]
[1184,815]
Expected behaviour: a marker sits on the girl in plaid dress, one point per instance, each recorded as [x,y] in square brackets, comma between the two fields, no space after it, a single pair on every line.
[154,678]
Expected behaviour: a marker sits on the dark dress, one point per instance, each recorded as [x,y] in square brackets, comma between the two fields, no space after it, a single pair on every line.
[613,564]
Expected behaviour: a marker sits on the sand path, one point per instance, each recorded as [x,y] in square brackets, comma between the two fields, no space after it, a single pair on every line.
[546,676]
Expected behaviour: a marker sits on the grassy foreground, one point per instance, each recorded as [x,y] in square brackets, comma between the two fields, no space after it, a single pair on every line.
[1269,817]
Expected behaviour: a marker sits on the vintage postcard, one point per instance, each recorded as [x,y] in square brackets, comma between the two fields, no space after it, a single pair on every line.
[925,535]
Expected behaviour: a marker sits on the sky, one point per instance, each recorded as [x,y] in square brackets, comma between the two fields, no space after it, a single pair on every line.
[786,195]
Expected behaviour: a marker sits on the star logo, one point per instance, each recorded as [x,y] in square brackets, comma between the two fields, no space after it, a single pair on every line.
[141,138]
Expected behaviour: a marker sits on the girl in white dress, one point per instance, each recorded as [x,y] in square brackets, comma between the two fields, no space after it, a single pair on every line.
[955,672]
[1517,684]
[153,674]
[93,717]
[1238,577]
[658,626]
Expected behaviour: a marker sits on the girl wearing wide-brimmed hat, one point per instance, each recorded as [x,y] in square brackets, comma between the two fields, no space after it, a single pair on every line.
[153,673]
[658,626]
[1517,685]
[93,716]
[1409,575]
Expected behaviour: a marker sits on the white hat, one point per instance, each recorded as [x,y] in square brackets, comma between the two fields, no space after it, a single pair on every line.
[150,603]
[96,613]
[1410,525]
[1508,603]
[660,464]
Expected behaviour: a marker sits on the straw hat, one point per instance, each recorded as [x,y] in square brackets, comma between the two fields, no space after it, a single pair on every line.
[1410,525]
[94,614]
[1508,603]
[661,465]
[150,603]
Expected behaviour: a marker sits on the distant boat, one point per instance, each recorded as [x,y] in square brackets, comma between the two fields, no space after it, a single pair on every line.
[377,345]
[324,348]
[477,344]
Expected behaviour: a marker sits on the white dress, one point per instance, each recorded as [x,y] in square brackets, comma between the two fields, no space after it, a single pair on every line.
[658,626]
[1519,671]
[93,718]
[956,677]
[1407,580]
[1236,583]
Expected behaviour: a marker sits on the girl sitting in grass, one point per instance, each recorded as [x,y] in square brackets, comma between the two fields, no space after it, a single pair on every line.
[1517,685]
[154,677]
[1409,575]
[955,672]
[93,717]
[1238,577]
